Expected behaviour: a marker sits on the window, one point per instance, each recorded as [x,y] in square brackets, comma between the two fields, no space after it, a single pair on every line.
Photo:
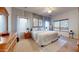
[2,23]
[64,25]
[61,25]
[56,25]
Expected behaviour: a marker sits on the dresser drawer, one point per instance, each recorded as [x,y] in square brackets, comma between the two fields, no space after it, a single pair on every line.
[8,43]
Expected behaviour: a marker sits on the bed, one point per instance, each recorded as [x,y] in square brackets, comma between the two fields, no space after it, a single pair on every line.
[44,37]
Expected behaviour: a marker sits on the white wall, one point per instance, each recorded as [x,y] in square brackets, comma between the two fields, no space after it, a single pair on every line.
[73,20]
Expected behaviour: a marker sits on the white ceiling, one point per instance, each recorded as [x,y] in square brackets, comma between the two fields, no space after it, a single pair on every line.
[44,10]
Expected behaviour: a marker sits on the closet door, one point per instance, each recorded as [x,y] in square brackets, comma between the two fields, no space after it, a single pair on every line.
[21,26]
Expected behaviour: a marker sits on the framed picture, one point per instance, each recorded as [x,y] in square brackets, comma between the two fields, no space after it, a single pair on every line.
[35,22]
[40,23]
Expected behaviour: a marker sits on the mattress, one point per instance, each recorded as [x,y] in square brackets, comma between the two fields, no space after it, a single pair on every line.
[44,37]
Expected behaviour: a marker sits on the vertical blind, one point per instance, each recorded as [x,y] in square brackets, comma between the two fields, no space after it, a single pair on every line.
[56,25]
[61,25]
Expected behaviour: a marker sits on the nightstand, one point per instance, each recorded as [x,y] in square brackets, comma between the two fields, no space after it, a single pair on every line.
[27,35]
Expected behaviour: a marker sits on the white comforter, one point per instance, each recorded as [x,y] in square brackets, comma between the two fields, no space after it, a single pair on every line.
[44,37]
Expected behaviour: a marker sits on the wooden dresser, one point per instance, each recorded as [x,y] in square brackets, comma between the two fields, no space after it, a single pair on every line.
[78,44]
[27,35]
[7,43]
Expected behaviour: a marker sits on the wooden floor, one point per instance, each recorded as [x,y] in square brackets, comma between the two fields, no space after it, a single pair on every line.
[70,46]
[61,45]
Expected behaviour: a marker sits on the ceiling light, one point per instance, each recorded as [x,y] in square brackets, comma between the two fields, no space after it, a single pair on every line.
[49,11]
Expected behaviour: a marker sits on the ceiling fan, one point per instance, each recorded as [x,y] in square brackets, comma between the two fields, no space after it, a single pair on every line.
[50,9]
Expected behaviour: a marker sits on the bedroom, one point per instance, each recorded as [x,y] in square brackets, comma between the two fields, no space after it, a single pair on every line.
[37,27]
